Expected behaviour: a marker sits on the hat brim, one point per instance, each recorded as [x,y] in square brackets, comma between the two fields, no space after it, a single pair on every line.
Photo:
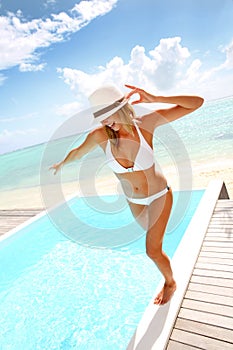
[97,120]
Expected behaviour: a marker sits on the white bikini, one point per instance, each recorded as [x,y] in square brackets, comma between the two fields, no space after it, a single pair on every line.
[144,160]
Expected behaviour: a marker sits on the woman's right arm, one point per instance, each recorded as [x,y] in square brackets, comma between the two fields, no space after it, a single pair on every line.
[90,143]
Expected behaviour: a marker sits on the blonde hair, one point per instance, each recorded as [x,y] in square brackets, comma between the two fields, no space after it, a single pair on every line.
[127,114]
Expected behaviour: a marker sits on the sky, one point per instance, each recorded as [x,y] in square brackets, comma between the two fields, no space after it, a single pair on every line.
[54,53]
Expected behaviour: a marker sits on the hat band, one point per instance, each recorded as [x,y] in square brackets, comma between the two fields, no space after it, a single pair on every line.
[107,109]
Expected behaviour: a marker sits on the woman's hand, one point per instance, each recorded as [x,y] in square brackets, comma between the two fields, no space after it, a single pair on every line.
[57,167]
[143,95]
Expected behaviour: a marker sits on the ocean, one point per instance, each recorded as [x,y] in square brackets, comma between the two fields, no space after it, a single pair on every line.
[201,138]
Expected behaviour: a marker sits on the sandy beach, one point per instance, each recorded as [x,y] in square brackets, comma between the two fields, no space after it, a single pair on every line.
[32,197]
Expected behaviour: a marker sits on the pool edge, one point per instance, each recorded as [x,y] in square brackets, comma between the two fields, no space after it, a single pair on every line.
[27,222]
[156,324]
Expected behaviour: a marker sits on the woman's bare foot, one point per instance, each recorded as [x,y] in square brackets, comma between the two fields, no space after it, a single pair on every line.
[165,294]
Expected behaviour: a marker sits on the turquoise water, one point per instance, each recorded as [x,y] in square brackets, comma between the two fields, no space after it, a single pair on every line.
[57,294]
[204,136]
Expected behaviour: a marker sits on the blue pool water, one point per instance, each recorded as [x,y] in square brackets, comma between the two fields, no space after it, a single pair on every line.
[58,294]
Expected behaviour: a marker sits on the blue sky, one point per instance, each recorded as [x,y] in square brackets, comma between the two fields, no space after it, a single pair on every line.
[54,53]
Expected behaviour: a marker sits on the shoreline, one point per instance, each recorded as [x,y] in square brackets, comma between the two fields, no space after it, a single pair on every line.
[31,197]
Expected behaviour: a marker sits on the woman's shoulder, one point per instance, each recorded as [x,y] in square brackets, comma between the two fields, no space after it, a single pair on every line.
[149,121]
[99,135]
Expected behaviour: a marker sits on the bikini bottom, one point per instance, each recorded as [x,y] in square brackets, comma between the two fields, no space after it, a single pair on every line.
[150,199]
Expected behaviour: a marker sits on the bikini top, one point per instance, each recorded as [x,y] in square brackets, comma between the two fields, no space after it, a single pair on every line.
[144,158]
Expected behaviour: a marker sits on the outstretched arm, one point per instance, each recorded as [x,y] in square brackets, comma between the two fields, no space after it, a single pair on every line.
[183,104]
[77,153]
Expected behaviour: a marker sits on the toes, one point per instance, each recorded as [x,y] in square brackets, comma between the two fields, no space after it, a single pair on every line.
[159,298]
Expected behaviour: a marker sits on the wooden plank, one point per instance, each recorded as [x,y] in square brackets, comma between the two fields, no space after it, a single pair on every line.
[214,267]
[211,289]
[20,211]
[218,244]
[205,317]
[13,219]
[224,219]
[216,249]
[222,215]
[208,307]
[220,255]
[220,229]
[226,208]
[217,221]
[213,273]
[224,234]
[221,220]
[202,341]
[228,212]
[228,203]
[213,281]
[174,345]
[12,224]
[227,234]
[207,330]
[207,297]
[227,215]
[219,239]
[210,260]
[227,237]
[224,202]
[220,223]
[223,212]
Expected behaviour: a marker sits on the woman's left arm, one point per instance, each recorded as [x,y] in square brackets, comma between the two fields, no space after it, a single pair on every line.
[183,105]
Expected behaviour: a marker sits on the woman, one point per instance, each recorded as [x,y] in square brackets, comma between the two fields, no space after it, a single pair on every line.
[127,143]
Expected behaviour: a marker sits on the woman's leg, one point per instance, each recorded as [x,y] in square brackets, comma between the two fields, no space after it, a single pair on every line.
[159,211]
[140,212]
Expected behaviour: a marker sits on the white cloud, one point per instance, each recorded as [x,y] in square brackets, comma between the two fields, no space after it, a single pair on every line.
[12,140]
[89,10]
[28,67]
[29,116]
[20,39]
[7,136]
[50,2]
[161,68]
[68,109]
[168,68]
[2,79]
[228,50]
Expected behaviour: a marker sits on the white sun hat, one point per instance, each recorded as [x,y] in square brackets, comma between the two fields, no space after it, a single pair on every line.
[105,101]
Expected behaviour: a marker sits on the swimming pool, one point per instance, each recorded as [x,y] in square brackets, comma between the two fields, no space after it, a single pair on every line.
[57,294]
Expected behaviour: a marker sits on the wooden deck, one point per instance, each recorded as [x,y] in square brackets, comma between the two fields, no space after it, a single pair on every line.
[205,319]
[10,219]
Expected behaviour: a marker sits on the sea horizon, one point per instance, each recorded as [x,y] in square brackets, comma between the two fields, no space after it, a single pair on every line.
[201,138]
[60,138]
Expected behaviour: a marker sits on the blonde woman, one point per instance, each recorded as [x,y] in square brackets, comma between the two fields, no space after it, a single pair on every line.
[127,143]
